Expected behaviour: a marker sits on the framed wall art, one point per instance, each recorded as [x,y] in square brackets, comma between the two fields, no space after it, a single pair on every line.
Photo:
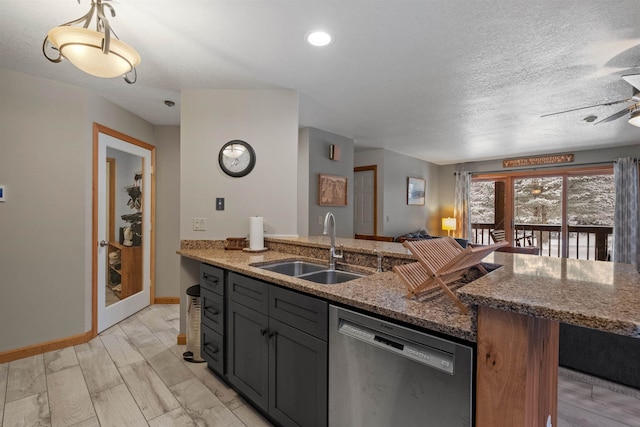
[415,191]
[332,190]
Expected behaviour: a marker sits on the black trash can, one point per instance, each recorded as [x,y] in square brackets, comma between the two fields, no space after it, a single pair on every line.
[193,325]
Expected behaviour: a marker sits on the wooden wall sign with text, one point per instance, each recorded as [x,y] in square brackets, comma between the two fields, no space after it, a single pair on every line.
[538,160]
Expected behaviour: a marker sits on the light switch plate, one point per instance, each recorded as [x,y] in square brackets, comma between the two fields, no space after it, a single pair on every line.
[2,193]
[219,203]
[199,224]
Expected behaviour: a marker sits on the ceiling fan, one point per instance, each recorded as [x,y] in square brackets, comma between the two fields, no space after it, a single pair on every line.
[633,109]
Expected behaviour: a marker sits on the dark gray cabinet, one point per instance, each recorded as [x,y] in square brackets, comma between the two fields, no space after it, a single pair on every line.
[212,348]
[277,350]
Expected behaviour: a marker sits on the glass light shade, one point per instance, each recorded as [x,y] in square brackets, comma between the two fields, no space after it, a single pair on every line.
[634,118]
[83,48]
[448,224]
[234,151]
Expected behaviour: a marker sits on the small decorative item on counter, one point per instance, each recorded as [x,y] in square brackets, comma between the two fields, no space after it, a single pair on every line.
[235,243]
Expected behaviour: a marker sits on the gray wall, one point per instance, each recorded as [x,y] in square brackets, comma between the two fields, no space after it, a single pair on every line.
[395,216]
[45,224]
[167,140]
[318,162]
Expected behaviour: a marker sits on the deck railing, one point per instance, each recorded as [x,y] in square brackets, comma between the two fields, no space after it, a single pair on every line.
[585,241]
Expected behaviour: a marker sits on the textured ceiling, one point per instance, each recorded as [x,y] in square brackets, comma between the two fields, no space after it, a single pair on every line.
[445,81]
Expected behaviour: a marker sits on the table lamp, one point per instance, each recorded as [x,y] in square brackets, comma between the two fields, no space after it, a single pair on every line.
[449,224]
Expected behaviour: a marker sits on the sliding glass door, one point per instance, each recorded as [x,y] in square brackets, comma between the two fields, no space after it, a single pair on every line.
[567,213]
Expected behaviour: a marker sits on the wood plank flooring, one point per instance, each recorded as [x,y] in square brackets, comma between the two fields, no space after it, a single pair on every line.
[133,374]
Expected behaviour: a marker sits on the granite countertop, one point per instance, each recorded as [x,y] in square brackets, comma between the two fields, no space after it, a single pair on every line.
[593,294]
[379,293]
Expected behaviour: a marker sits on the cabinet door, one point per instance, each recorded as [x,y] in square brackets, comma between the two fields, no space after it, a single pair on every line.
[247,351]
[297,377]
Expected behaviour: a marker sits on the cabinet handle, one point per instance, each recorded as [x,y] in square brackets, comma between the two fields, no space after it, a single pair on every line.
[214,312]
[263,332]
[212,279]
[206,349]
[272,334]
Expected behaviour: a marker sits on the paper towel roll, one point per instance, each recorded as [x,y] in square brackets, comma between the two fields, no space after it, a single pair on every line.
[256,232]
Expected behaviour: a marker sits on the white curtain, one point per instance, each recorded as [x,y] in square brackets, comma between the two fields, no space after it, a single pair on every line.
[626,230]
[461,209]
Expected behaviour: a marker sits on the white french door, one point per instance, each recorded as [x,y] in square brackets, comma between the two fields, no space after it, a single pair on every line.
[110,312]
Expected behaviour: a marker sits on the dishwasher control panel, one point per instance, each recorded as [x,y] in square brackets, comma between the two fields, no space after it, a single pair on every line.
[424,354]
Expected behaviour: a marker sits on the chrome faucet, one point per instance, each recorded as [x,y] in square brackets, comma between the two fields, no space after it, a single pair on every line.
[330,221]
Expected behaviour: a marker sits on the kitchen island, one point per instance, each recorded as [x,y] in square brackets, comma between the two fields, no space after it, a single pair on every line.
[514,318]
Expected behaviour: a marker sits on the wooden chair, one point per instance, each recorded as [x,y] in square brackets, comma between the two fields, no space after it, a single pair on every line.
[497,236]
[440,262]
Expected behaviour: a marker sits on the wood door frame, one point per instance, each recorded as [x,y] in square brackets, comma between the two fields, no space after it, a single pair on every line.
[97,129]
[373,168]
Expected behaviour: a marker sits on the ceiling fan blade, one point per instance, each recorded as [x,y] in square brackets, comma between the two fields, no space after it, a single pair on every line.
[633,80]
[617,115]
[606,104]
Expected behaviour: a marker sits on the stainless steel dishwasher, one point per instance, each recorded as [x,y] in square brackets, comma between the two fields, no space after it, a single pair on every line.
[383,374]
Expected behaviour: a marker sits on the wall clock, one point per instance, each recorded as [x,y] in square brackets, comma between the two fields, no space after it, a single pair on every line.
[237,158]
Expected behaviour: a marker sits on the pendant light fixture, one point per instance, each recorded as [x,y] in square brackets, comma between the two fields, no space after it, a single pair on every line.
[97,52]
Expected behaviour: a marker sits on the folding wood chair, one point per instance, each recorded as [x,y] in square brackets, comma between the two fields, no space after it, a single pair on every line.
[441,262]
[497,236]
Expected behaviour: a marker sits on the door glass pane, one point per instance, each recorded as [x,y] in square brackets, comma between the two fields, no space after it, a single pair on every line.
[590,203]
[538,214]
[486,214]
[124,255]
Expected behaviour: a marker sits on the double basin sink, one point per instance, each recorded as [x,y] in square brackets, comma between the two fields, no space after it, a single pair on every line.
[310,271]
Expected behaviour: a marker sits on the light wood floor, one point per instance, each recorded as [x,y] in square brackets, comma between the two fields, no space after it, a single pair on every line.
[133,375]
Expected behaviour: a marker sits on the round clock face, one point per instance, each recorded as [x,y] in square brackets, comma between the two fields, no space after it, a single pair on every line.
[237,158]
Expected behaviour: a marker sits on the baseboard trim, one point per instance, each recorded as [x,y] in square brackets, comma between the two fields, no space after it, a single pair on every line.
[32,350]
[166,300]
[182,339]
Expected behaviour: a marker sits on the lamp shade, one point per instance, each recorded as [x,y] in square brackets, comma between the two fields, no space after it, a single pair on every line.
[83,48]
[449,224]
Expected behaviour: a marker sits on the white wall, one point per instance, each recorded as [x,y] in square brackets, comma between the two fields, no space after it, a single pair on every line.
[268,120]
[45,224]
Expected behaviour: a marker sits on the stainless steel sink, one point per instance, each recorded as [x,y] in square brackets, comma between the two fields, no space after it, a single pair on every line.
[317,273]
[293,268]
[331,277]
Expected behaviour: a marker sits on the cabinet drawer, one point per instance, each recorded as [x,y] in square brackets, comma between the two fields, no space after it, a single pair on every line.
[302,312]
[249,292]
[212,349]
[212,310]
[212,278]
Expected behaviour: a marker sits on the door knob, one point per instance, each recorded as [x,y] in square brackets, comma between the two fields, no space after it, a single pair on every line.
[103,243]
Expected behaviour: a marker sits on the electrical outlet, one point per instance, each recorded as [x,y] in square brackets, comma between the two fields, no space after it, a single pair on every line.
[319,219]
[199,224]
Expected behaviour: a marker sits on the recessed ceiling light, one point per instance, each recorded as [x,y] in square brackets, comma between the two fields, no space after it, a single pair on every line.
[319,38]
